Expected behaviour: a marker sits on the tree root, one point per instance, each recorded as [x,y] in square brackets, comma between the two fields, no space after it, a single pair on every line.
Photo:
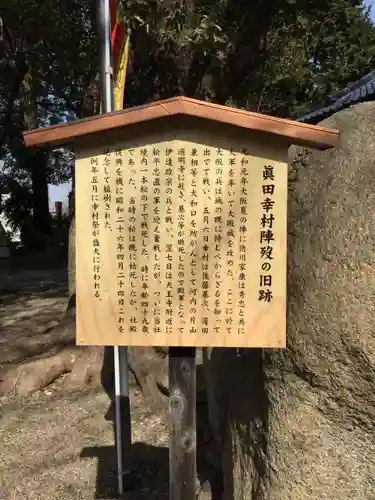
[87,366]
[36,374]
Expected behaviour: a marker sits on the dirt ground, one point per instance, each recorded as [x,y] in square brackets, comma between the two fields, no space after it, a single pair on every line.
[57,444]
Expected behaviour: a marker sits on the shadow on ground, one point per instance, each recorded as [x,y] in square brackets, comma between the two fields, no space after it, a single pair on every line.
[150,472]
[150,462]
[32,283]
[32,303]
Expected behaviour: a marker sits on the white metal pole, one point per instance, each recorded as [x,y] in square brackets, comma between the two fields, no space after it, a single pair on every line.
[122,403]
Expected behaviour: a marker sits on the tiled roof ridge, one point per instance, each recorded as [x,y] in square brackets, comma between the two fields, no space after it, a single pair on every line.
[360,91]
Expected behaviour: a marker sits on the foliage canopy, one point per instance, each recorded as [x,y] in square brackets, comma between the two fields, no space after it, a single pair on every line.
[280,57]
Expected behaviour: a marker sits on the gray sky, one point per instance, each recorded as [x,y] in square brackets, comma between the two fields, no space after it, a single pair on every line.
[60,193]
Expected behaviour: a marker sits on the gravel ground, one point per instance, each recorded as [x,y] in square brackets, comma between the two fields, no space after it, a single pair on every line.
[57,444]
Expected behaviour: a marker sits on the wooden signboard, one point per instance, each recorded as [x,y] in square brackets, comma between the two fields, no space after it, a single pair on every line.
[181,210]
[181,240]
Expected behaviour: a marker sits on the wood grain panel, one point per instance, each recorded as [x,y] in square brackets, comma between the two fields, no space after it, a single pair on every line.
[181,240]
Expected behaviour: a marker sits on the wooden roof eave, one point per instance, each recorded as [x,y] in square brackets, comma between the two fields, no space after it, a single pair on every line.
[295,132]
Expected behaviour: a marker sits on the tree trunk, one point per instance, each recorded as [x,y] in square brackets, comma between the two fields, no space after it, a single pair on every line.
[36,162]
[41,213]
[298,423]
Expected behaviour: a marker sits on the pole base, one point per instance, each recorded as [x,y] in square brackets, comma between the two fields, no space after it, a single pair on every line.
[128,484]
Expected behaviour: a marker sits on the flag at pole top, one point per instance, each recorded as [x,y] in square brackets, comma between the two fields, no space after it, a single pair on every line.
[120,51]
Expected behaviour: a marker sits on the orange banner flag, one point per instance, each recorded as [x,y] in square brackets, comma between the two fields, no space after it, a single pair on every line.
[120,51]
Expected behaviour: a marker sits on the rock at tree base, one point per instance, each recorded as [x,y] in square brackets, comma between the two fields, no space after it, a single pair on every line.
[299,423]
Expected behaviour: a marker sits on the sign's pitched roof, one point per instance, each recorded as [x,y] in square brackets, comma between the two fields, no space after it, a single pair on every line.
[296,133]
[360,91]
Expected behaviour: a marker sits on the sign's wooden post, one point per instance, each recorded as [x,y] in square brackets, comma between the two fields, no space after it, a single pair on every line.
[181,223]
[183,439]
